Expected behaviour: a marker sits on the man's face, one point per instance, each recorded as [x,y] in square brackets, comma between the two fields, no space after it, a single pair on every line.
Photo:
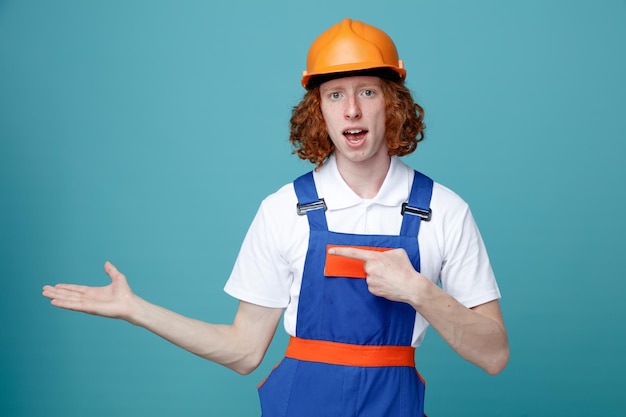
[354,112]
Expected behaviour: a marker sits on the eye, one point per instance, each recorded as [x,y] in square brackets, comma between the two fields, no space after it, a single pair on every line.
[334,95]
[368,93]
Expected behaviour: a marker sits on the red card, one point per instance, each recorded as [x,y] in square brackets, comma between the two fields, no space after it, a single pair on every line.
[340,266]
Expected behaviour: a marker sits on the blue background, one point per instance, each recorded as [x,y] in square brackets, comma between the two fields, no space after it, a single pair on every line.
[147,133]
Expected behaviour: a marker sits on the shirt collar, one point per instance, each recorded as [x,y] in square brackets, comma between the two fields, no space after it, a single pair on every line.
[338,195]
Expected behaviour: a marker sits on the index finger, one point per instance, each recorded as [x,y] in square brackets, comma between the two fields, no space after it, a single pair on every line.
[362,253]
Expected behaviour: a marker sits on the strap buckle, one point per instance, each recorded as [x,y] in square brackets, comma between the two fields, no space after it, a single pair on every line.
[423,214]
[316,205]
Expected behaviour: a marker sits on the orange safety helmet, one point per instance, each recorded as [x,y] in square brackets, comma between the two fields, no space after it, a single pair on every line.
[351,46]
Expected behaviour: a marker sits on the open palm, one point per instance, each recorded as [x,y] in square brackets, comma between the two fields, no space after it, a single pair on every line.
[112,300]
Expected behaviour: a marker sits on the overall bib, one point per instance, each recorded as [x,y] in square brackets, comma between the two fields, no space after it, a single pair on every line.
[352,353]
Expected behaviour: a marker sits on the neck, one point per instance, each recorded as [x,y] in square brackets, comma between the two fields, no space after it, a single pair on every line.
[364,179]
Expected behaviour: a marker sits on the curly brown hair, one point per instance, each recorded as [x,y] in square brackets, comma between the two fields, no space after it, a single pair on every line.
[404,127]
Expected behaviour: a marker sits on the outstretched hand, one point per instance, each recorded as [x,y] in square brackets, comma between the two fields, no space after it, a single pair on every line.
[390,274]
[113,300]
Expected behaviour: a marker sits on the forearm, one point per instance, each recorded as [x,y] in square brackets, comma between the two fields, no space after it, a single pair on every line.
[239,346]
[478,335]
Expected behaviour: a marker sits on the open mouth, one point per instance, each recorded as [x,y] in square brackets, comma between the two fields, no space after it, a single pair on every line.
[355,135]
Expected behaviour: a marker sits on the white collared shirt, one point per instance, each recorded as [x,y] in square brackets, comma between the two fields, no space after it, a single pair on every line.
[268,270]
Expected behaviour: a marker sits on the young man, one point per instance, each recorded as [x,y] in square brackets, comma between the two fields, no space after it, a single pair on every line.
[351,253]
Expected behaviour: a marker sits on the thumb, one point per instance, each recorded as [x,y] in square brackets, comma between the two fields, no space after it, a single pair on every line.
[112,271]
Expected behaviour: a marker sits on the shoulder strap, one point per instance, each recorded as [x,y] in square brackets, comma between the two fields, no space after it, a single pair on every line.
[418,206]
[309,203]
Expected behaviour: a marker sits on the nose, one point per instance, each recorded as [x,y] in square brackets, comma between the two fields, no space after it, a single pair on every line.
[353,109]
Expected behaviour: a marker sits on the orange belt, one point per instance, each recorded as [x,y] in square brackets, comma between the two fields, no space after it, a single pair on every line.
[348,354]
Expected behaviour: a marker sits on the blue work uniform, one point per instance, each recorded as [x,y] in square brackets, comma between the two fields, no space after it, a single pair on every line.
[340,311]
